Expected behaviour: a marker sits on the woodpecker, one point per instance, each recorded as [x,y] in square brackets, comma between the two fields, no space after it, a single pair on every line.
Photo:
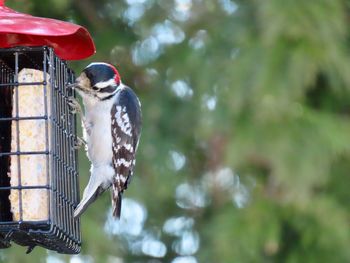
[111,129]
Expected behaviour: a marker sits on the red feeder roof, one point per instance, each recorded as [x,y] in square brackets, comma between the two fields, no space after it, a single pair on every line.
[70,41]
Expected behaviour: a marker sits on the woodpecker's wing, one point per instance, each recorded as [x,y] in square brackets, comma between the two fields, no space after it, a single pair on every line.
[126,129]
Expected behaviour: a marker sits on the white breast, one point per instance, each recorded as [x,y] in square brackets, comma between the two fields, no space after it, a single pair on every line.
[99,134]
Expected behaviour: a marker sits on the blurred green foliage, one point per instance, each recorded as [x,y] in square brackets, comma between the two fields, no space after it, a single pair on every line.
[246,129]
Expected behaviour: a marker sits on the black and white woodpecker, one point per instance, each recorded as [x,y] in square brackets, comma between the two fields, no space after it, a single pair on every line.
[111,129]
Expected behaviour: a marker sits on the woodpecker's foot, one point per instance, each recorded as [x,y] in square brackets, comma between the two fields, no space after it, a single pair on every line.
[79,142]
[74,105]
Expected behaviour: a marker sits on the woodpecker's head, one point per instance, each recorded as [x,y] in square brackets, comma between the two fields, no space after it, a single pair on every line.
[99,80]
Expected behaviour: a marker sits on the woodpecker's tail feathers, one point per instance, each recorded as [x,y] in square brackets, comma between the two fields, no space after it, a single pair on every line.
[91,192]
[116,203]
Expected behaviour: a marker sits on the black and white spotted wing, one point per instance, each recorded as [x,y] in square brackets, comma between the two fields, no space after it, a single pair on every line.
[126,129]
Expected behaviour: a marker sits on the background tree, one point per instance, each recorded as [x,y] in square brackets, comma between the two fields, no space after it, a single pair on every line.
[245,152]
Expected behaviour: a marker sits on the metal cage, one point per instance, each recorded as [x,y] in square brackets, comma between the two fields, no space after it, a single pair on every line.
[59,231]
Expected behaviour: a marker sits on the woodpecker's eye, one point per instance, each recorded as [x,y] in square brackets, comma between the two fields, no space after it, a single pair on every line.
[96,88]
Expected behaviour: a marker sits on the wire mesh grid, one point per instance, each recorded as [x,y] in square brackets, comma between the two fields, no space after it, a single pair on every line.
[55,194]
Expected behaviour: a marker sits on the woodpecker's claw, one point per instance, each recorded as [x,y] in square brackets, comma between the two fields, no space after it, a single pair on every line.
[74,105]
[79,142]
[76,108]
[71,86]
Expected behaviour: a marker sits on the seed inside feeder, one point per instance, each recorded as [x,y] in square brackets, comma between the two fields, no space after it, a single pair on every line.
[30,136]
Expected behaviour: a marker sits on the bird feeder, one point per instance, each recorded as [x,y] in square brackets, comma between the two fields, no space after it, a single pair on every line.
[38,161]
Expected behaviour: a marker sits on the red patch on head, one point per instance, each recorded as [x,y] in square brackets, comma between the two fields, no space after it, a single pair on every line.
[116,76]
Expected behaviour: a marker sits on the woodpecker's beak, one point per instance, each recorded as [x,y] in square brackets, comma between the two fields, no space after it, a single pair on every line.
[75,86]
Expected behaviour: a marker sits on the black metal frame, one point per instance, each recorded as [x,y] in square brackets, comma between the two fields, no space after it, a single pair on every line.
[60,232]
